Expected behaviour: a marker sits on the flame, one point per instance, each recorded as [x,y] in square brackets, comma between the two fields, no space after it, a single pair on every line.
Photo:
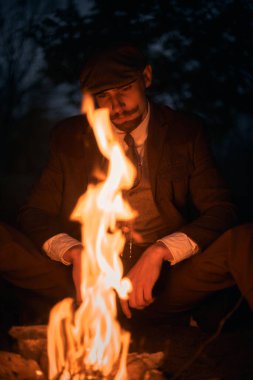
[88,340]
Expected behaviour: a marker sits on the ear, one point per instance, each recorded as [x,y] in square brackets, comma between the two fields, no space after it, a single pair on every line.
[147,76]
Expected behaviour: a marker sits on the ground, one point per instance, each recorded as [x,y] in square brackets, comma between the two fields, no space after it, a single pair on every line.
[191,352]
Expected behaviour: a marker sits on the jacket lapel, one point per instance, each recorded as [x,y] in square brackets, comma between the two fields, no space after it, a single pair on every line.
[158,127]
[157,131]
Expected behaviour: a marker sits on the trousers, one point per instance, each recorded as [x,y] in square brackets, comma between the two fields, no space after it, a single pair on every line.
[226,262]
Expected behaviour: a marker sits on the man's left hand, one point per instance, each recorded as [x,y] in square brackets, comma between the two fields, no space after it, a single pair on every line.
[143,277]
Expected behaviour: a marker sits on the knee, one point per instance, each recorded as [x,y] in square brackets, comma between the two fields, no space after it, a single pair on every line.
[242,231]
[241,240]
[5,235]
[10,234]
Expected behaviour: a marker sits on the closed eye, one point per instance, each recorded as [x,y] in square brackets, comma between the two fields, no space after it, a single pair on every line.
[101,95]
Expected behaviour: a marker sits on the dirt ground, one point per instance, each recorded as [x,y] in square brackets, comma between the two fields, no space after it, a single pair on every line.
[191,354]
[218,346]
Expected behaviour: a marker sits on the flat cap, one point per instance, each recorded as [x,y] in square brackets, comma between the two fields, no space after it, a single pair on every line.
[112,67]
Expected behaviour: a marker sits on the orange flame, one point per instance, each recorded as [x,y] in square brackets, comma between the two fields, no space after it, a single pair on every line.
[90,339]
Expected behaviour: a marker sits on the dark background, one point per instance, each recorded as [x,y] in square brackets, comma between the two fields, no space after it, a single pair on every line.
[202,58]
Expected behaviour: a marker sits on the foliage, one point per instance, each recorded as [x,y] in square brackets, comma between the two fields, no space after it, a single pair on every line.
[20,57]
[201,51]
[20,76]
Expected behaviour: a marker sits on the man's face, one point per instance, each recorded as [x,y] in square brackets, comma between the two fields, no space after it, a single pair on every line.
[127,104]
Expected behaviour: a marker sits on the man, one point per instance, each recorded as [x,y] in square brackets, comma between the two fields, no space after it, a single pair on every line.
[184,208]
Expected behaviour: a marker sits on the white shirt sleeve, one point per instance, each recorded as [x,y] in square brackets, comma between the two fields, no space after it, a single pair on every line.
[180,246]
[57,245]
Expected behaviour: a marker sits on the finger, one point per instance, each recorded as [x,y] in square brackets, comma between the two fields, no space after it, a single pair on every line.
[78,293]
[125,308]
[139,298]
[136,299]
[78,298]
[77,282]
[148,297]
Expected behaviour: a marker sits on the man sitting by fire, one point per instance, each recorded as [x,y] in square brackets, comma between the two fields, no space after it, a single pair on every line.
[182,247]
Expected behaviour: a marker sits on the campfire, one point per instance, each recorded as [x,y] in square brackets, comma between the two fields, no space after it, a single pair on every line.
[88,341]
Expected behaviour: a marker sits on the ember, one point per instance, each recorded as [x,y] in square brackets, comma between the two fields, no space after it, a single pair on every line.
[88,342]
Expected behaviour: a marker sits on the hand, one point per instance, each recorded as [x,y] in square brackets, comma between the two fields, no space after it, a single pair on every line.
[143,277]
[73,256]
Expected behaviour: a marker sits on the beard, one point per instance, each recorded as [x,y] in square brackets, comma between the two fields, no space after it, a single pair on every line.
[128,125]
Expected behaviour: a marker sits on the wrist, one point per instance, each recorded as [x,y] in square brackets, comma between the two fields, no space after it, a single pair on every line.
[163,251]
[158,252]
[72,254]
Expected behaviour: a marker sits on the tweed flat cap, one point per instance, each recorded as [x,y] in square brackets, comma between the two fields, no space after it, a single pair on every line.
[111,68]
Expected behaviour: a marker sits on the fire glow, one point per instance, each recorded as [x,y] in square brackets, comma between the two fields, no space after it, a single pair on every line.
[89,340]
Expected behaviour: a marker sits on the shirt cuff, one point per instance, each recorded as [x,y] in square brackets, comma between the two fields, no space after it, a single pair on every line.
[180,246]
[57,245]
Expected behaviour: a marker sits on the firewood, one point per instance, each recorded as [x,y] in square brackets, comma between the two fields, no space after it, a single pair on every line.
[15,367]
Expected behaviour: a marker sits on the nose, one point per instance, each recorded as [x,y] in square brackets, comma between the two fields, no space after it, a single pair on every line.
[116,104]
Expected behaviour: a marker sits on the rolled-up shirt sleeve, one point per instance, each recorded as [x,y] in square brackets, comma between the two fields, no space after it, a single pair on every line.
[57,245]
[180,246]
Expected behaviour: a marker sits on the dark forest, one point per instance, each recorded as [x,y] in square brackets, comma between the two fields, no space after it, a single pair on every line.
[201,53]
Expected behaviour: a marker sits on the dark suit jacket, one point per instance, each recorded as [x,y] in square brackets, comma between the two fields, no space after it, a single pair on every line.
[184,179]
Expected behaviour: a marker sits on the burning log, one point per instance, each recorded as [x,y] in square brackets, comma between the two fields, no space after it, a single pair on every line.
[32,357]
[90,338]
[15,367]
[144,366]
[88,342]
[32,344]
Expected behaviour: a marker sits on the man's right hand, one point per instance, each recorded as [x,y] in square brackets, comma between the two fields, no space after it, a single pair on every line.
[73,256]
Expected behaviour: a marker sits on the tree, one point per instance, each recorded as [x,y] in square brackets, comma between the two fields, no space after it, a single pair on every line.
[201,51]
[21,80]
[21,88]
[63,36]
